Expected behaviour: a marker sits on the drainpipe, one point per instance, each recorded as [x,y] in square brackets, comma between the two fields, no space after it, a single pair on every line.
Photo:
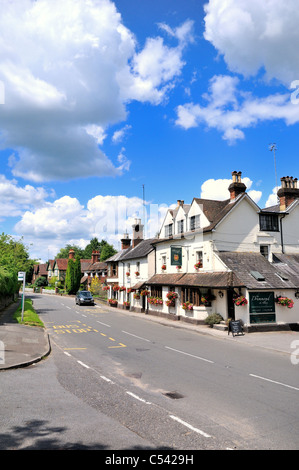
[281,234]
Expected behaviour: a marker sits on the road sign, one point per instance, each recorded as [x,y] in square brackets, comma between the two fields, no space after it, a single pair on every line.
[21,275]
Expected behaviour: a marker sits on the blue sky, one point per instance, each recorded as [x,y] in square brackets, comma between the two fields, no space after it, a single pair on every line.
[100,99]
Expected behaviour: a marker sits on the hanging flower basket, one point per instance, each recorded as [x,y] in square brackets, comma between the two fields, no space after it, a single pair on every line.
[170,303]
[163,267]
[129,290]
[122,288]
[187,306]
[198,265]
[241,300]
[106,288]
[285,302]
[178,268]
[137,296]
[128,273]
[137,273]
[171,295]
[116,288]
[144,292]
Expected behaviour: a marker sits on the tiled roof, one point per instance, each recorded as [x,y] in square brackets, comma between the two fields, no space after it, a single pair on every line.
[244,265]
[219,280]
[141,250]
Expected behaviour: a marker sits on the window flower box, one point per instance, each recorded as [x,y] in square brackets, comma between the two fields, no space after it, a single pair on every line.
[155,301]
[187,306]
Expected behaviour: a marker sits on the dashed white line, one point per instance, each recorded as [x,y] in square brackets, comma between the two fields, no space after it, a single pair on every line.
[105,324]
[67,354]
[273,381]
[138,398]
[106,379]
[135,336]
[84,365]
[198,431]
[192,355]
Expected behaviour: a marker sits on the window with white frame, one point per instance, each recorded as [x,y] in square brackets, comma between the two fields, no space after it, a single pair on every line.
[168,230]
[180,226]
[194,222]
[199,259]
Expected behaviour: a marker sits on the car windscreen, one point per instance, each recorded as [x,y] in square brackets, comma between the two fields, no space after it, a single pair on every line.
[85,294]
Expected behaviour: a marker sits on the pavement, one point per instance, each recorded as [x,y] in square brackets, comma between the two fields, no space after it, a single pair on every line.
[22,345]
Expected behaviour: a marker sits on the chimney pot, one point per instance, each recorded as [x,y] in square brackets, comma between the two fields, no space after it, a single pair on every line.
[236,187]
[288,192]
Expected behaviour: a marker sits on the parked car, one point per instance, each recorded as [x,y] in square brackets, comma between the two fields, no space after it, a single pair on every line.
[84,297]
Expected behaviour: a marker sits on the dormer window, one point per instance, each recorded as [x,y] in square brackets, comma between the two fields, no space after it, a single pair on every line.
[180,226]
[168,230]
[194,222]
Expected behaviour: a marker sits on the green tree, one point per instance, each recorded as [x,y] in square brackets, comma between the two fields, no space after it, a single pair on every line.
[14,256]
[93,245]
[64,252]
[73,276]
[107,250]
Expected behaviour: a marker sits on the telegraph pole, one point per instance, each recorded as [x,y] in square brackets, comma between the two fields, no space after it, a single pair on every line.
[273,148]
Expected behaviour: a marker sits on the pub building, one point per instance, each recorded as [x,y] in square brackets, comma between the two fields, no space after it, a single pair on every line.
[228,257]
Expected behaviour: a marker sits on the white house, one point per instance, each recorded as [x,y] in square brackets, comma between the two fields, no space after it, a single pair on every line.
[228,257]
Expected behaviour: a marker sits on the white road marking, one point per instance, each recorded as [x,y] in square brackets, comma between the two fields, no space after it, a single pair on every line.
[84,365]
[138,398]
[106,379]
[67,354]
[135,336]
[192,355]
[273,381]
[199,431]
[105,324]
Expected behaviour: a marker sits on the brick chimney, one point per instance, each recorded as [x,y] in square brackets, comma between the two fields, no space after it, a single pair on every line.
[180,203]
[125,242]
[236,187]
[95,256]
[137,232]
[288,192]
[71,254]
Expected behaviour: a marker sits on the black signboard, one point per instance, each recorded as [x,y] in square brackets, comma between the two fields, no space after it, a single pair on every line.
[235,327]
[176,256]
[261,302]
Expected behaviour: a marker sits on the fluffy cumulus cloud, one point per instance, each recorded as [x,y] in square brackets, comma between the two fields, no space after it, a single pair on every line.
[254,35]
[230,110]
[69,69]
[14,199]
[104,217]
[256,39]
[218,189]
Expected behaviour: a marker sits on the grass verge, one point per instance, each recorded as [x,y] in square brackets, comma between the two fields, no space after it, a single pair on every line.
[30,316]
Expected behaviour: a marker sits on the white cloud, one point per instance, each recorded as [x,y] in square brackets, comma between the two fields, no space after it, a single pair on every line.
[272,199]
[119,135]
[69,70]
[218,189]
[14,199]
[252,35]
[230,111]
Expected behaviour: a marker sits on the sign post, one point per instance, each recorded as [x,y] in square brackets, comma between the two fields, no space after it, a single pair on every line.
[22,277]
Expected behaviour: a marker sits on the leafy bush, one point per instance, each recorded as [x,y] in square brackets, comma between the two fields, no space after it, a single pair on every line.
[8,282]
[213,319]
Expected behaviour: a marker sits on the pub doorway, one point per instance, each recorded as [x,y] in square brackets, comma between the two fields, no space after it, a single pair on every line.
[230,304]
